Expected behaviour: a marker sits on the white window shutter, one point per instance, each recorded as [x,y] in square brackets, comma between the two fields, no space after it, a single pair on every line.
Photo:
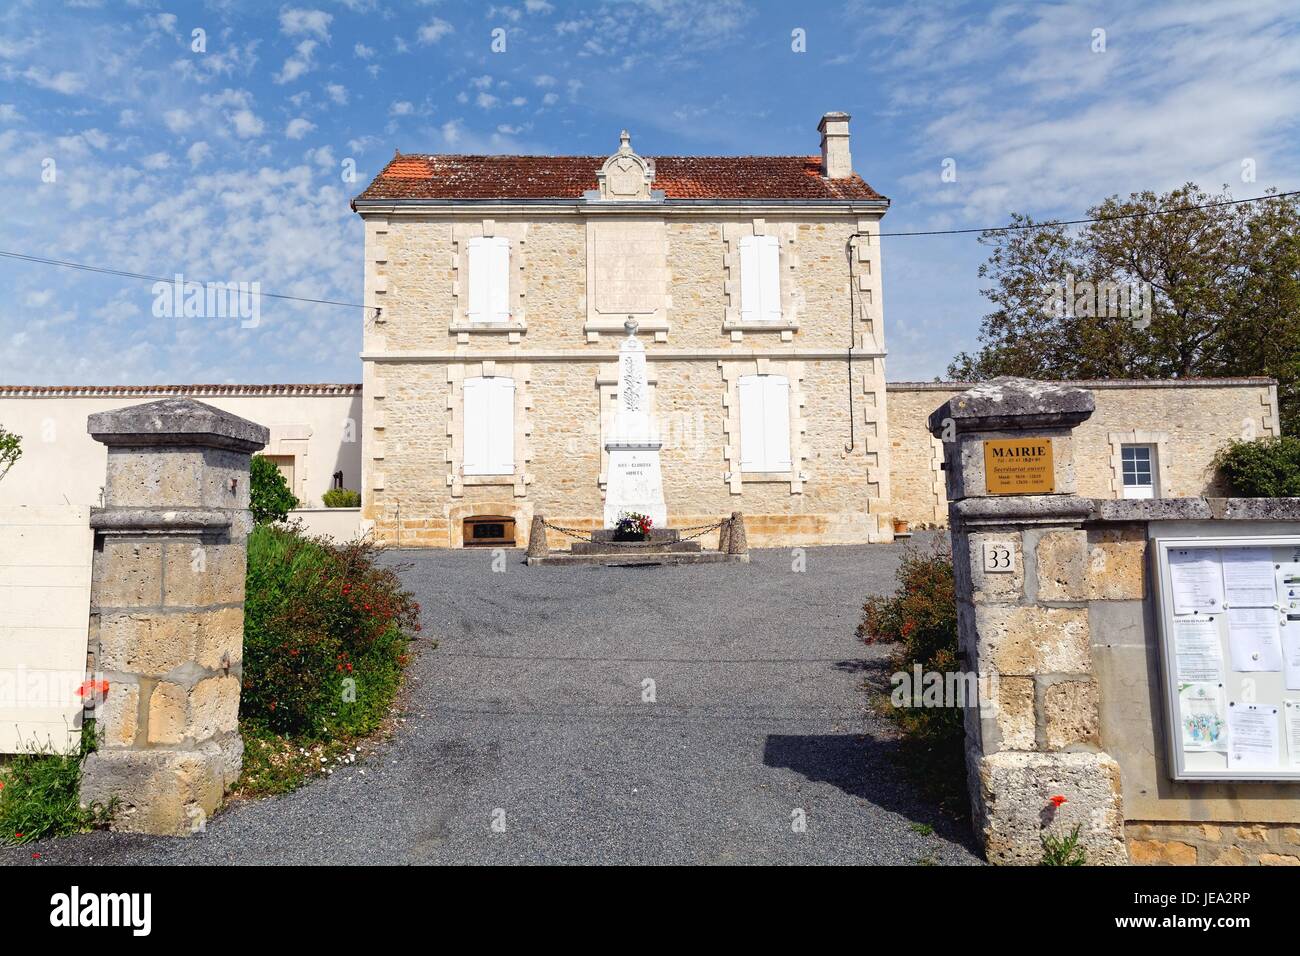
[776,420]
[769,259]
[751,287]
[477,402]
[489,279]
[499,280]
[752,431]
[501,429]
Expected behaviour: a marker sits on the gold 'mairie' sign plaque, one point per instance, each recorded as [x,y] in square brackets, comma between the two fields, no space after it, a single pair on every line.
[1019,466]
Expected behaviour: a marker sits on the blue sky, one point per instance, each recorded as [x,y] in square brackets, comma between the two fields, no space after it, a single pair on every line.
[227,164]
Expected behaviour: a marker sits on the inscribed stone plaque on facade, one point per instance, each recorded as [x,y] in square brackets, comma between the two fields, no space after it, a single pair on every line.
[1019,466]
[629,267]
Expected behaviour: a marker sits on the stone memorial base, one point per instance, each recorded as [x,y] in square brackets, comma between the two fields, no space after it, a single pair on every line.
[635,483]
[661,546]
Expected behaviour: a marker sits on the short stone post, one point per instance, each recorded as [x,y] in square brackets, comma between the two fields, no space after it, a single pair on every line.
[724,535]
[1019,561]
[167,611]
[537,547]
[737,542]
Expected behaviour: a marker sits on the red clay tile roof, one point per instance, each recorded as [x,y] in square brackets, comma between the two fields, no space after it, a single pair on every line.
[126,391]
[418,176]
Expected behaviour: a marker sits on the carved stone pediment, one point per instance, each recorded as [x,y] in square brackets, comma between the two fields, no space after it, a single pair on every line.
[625,176]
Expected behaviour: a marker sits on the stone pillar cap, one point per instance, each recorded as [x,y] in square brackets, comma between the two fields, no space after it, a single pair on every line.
[177,421]
[1010,403]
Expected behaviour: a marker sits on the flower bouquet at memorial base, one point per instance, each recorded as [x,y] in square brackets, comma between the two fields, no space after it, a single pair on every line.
[632,526]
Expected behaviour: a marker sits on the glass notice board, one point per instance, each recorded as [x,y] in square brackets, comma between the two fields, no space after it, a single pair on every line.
[1229,618]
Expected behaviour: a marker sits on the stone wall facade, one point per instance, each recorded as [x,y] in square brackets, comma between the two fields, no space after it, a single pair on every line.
[1062,630]
[1159,843]
[562,358]
[1188,421]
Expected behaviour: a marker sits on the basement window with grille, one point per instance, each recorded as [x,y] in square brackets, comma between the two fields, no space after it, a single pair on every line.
[492,530]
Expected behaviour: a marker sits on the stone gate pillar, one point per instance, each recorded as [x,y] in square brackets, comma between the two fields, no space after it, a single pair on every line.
[167,610]
[1020,566]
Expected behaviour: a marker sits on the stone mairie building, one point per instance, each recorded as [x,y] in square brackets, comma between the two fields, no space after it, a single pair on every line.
[503,284]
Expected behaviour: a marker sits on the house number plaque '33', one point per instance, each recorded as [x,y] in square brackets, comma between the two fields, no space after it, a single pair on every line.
[999,557]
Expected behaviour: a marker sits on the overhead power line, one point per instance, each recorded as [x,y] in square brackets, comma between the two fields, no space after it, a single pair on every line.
[63,263]
[1017,227]
[1011,227]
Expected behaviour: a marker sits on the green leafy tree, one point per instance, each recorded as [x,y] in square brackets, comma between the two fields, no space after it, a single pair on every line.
[269,494]
[1214,292]
[11,449]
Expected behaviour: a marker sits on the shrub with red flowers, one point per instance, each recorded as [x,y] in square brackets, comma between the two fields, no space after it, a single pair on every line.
[325,635]
[921,619]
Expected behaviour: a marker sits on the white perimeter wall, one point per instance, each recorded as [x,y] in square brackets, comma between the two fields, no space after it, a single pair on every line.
[62,464]
[45,561]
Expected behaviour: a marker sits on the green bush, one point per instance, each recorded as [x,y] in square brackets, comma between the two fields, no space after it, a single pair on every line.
[325,636]
[921,619]
[1263,468]
[40,795]
[341,498]
[269,496]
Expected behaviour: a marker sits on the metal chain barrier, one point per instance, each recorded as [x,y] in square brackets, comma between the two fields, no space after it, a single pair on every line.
[699,531]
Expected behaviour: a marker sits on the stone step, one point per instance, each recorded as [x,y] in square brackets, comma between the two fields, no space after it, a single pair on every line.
[641,557]
[635,547]
[656,536]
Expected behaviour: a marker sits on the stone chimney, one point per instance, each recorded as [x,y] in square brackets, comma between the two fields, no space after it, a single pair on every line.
[836,161]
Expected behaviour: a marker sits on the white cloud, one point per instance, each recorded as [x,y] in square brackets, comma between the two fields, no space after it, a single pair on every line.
[486,101]
[302,61]
[178,120]
[298,128]
[197,153]
[544,79]
[363,52]
[64,81]
[297,21]
[538,6]
[435,30]
[401,108]
[9,113]
[247,124]
[156,161]
[337,92]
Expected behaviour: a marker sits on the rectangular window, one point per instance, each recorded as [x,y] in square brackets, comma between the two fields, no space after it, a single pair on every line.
[764,423]
[489,437]
[489,279]
[285,464]
[1138,466]
[760,279]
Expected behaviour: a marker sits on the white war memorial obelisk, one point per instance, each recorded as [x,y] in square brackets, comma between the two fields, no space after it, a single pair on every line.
[635,481]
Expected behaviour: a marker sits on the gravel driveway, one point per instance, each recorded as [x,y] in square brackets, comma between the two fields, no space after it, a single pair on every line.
[608,715]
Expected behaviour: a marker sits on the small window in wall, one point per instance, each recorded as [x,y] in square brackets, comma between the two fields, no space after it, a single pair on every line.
[760,279]
[489,530]
[1138,465]
[285,464]
[489,279]
[489,426]
[764,423]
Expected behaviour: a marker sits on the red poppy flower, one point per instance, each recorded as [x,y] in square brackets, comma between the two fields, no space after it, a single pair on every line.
[97,689]
[1058,800]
